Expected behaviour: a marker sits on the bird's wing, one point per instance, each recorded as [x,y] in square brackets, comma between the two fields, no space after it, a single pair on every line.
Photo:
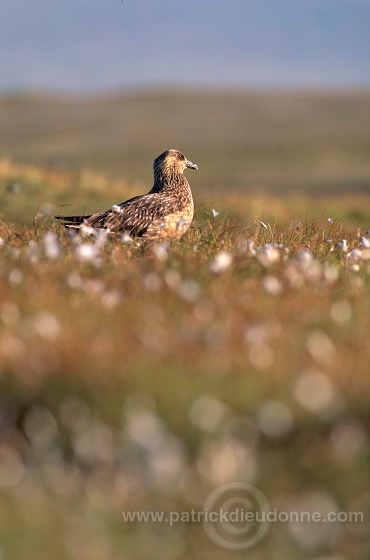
[135,215]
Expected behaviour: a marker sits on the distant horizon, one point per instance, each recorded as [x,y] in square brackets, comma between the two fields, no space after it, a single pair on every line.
[165,88]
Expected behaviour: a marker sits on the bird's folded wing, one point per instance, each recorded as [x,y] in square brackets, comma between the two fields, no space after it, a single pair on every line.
[135,215]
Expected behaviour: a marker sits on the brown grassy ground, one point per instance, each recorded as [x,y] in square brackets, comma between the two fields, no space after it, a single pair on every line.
[141,377]
[138,377]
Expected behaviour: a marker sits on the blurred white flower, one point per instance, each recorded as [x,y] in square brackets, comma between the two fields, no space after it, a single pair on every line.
[189,290]
[321,347]
[262,224]
[207,413]
[304,256]
[214,213]
[182,225]
[126,237]
[221,262]
[152,282]
[341,311]
[101,235]
[365,242]
[314,391]
[86,252]
[355,254]
[272,285]
[323,534]
[16,276]
[330,221]
[85,230]
[161,251]
[274,419]
[46,325]
[226,460]
[51,245]
[343,245]
[111,299]
[330,273]
[74,280]
[268,254]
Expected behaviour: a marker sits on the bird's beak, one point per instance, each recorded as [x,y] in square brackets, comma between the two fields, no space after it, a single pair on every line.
[191,165]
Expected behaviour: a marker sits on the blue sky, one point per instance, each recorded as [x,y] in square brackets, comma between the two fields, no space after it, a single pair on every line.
[84,45]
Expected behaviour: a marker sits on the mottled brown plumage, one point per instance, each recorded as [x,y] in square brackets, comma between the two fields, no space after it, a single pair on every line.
[166,211]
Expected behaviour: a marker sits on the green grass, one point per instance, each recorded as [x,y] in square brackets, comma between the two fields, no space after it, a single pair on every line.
[143,377]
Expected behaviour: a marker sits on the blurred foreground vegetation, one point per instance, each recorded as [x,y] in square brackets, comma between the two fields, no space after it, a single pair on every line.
[141,377]
[138,376]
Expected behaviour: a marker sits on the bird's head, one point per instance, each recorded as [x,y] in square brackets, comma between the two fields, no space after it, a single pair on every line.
[173,161]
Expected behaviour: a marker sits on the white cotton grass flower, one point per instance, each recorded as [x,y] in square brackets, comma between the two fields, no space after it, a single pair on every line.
[274,419]
[16,276]
[304,256]
[365,242]
[86,230]
[321,347]
[182,225]
[46,325]
[262,224]
[315,392]
[111,299]
[189,290]
[269,253]
[343,245]
[330,221]
[330,273]
[126,237]
[272,285]
[355,254]
[341,311]
[101,236]
[51,245]
[207,413]
[86,252]
[221,262]
[161,251]
[214,213]
[312,502]
[152,282]
[74,281]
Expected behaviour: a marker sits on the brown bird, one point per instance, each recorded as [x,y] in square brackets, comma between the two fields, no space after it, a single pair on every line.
[166,211]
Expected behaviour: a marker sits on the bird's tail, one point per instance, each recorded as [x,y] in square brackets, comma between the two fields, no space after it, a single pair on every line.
[72,221]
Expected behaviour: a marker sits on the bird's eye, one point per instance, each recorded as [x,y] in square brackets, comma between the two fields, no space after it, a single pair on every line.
[181,156]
